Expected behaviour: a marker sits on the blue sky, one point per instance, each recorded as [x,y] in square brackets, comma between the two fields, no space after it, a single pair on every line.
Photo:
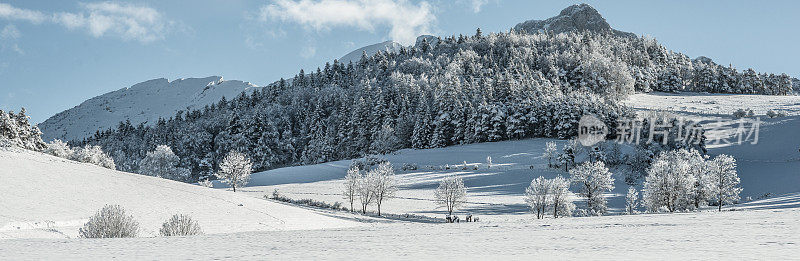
[56,54]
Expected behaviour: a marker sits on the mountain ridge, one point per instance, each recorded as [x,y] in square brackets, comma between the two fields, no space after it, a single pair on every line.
[144,102]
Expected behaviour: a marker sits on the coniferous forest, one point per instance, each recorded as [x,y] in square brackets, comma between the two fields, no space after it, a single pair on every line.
[442,92]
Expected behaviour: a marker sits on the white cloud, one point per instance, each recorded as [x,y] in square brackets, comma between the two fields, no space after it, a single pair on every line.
[475,5]
[12,13]
[123,20]
[8,39]
[405,20]
[478,4]
[127,21]
[308,52]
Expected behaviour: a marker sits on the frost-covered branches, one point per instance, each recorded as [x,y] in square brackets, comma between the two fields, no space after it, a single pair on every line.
[16,130]
[550,151]
[383,183]
[59,149]
[110,222]
[350,185]
[235,170]
[550,194]
[163,163]
[724,182]
[631,200]
[180,225]
[94,155]
[593,179]
[451,193]
[682,179]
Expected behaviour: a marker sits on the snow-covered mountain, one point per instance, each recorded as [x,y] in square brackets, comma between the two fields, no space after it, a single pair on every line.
[355,56]
[141,103]
[580,17]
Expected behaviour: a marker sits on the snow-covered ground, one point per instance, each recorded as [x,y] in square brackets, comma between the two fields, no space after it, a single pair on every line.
[713,103]
[729,235]
[64,194]
[46,196]
[769,168]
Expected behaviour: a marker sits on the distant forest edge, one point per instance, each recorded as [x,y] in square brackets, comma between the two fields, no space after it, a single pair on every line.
[442,92]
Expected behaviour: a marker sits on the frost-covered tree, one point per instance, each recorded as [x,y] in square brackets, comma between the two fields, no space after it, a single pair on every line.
[59,149]
[235,170]
[383,183]
[593,179]
[550,150]
[560,197]
[451,193]
[15,128]
[631,200]
[94,155]
[724,180]
[350,185]
[162,163]
[365,190]
[670,182]
[537,196]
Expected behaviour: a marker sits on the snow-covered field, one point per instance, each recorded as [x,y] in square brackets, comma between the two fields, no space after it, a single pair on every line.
[714,103]
[46,196]
[731,235]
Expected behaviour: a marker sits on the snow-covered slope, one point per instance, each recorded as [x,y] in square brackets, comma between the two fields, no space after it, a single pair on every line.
[580,17]
[771,167]
[142,102]
[355,56]
[46,196]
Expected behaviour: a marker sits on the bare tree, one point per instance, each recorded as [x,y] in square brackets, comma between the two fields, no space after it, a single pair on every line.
[235,170]
[451,193]
[631,200]
[364,189]
[383,182]
[536,195]
[550,150]
[350,191]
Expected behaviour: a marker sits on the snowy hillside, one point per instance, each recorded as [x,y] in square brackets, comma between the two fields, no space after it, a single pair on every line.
[766,169]
[142,102]
[355,56]
[46,196]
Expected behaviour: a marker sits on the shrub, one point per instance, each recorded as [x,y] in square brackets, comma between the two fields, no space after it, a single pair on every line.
[773,114]
[741,113]
[94,155]
[206,183]
[110,222]
[59,149]
[180,225]
[367,162]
